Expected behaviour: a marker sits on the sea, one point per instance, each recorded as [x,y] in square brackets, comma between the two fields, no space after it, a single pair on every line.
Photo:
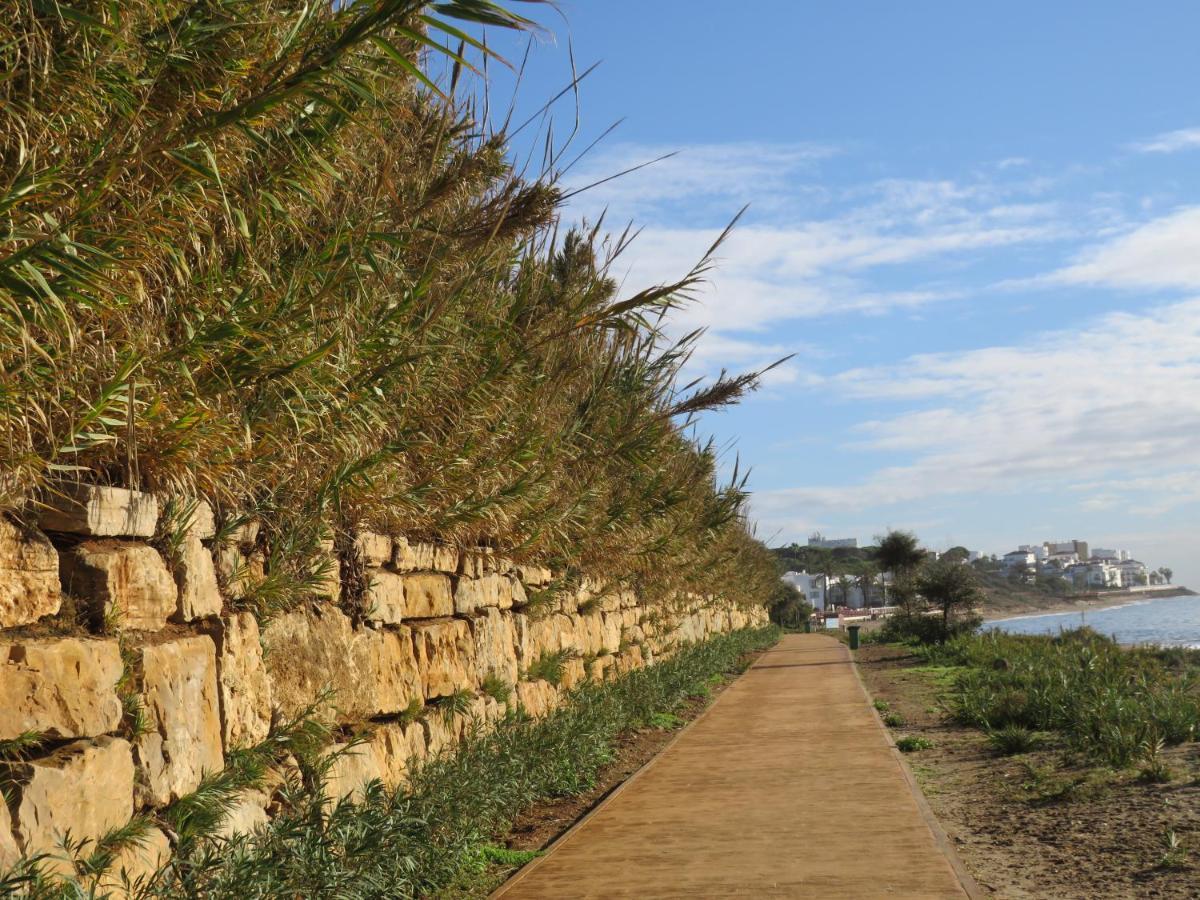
[1166,622]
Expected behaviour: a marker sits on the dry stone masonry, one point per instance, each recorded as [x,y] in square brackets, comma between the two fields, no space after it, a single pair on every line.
[99,616]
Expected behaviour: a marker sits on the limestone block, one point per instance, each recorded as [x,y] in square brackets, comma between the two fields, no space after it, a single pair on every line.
[385,596]
[98,511]
[135,865]
[486,711]
[231,564]
[393,665]
[629,659]
[589,633]
[599,668]
[398,749]
[329,586]
[471,594]
[537,698]
[628,599]
[245,689]
[247,814]
[573,673]
[443,733]
[519,598]
[445,657]
[427,596]
[496,645]
[534,576]
[29,587]
[414,556]
[9,851]
[179,691]
[610,632]
[373,549]
[196,580]
[63,688]
[475,563]
[368,672]
[309,653]
[193,515]
[353,768]
[128,581]
[609,603]
[85,787]
[244,534]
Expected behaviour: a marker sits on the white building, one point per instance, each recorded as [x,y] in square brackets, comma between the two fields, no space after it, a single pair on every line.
[832,544]
[820,591]
[811,586]
[1019,559]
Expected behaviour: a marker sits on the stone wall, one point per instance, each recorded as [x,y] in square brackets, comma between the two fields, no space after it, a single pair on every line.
[96,623]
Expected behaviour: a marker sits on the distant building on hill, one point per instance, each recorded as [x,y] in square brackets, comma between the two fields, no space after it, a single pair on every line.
[819,541]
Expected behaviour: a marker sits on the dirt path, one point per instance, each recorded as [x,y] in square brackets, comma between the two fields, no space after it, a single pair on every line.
[787,787]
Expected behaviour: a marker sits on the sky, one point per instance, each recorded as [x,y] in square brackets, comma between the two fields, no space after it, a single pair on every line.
[976,227]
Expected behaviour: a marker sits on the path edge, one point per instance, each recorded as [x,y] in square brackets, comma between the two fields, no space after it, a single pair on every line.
[608,798]
[968,883]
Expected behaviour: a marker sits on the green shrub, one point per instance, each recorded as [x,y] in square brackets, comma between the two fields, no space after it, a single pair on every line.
[1110,702]
[1011,740]
[496,687]
[894,720]
[912,744]
[550,665]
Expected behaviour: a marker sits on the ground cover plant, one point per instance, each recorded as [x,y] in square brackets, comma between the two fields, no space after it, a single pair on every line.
[251,251]
[411,842]
[1114,704]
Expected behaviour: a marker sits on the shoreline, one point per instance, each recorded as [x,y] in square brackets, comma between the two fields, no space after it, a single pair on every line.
[1104,601]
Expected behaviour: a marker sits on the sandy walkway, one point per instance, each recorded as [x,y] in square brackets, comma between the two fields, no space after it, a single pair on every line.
[787,787]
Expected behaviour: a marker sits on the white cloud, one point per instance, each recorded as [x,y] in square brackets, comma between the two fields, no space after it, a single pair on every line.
[1116,401]
[1171,141]
[732,173]
[1163,253]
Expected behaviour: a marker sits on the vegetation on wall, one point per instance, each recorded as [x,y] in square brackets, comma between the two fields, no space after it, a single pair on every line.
[250,252]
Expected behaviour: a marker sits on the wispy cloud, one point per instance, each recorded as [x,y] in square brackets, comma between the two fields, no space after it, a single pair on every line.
[1170,142]
[1116,400]
[806,249]
[1158,254]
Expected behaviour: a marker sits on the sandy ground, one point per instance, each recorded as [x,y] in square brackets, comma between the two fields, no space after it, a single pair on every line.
[1043,825]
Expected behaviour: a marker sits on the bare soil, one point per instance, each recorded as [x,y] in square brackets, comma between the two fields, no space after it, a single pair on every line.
[1042,824]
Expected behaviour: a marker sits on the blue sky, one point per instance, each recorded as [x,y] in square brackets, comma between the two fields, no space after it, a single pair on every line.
[978,230]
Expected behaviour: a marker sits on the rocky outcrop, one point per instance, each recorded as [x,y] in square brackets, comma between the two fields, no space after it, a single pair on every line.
[29,587]
[85,788]
[427,596]
[64,688]
[98,511]
[245,689]
[120,582]
[196,579]
[179,691]
[445,657]
[316,658]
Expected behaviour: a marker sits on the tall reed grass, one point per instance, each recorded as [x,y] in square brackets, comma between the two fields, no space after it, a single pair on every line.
[250,251]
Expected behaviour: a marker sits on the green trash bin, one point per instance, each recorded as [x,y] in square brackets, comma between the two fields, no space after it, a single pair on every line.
[853,629]
[808,626]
